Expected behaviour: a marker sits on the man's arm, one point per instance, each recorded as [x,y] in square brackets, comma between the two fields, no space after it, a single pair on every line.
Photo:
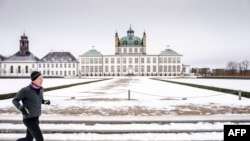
[16,100]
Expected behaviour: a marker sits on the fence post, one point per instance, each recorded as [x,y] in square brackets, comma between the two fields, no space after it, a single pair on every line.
[128,94]
[239,94]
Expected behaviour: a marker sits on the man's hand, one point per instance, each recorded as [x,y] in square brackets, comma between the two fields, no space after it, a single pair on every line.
[47,102]
[24,110]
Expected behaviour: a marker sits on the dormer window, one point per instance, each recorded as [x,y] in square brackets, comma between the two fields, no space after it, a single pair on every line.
[136,42]
[124,42]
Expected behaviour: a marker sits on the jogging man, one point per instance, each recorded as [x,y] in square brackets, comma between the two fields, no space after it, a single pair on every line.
[31,98]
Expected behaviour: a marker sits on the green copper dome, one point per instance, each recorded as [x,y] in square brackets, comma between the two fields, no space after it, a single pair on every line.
[170,52]
[91,53]
[130,41]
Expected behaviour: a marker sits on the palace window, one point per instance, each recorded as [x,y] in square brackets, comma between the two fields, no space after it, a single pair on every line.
[142,69]
[124,60]
[165,68]
[106,68]
[154,60]
[169,60]
[148,60]
[136,68]
[178,68]
[106,60]
[169,68]
[26,69]
[91,69]
[148,68]
[118,60]
[83,60]
[118,69]
[140,50]
[87,69]
[96,60]
[11,69]
[124,69]
[112,69]
[178,60]
[174,60]
[154,68]
[160,68]
[96,68]
[130,60]
[174,68]
[165,60]
[19,69]
[136,50]
[130,50]
[160,60]
[136,60]
[100,68]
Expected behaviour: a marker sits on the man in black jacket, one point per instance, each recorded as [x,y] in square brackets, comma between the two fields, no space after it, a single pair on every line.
[31,98]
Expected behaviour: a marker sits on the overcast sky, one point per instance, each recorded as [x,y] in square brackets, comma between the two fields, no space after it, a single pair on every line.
[208,33]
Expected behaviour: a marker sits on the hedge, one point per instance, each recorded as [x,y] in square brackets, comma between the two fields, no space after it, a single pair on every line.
[218,89]
[11,95]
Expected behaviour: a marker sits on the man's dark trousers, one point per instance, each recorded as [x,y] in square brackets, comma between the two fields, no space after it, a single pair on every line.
[33,130]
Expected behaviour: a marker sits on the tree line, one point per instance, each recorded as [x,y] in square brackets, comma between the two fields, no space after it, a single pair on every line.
[233,68]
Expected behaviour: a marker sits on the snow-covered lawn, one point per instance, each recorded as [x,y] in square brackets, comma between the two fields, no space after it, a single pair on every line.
[126,97]
[135,96]
[13,85]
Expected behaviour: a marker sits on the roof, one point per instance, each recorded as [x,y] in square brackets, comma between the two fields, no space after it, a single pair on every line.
[130,41]
[169,52]
[29,57]
[59,57]
[91,53]
[2,58]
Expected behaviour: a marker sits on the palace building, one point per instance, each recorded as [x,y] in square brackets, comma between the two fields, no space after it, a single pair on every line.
[22,63]
[131,59]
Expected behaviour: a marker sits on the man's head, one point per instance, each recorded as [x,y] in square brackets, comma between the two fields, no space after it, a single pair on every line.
[36,78]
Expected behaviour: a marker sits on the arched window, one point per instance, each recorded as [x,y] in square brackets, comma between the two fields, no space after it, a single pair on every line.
[26,69]
[19,69]
[169,68]
[11,69]
[174,68]
[178,68]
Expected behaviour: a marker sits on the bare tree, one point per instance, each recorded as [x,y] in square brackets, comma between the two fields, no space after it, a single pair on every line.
[232,67]
[240,66]
[245,65]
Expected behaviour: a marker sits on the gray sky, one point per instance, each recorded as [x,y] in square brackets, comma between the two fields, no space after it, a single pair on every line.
[208,33]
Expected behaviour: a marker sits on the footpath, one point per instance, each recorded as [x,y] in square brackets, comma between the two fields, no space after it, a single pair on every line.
[124,128]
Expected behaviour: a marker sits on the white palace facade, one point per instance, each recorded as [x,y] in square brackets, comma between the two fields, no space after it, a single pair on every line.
[130,59]
[23,62]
